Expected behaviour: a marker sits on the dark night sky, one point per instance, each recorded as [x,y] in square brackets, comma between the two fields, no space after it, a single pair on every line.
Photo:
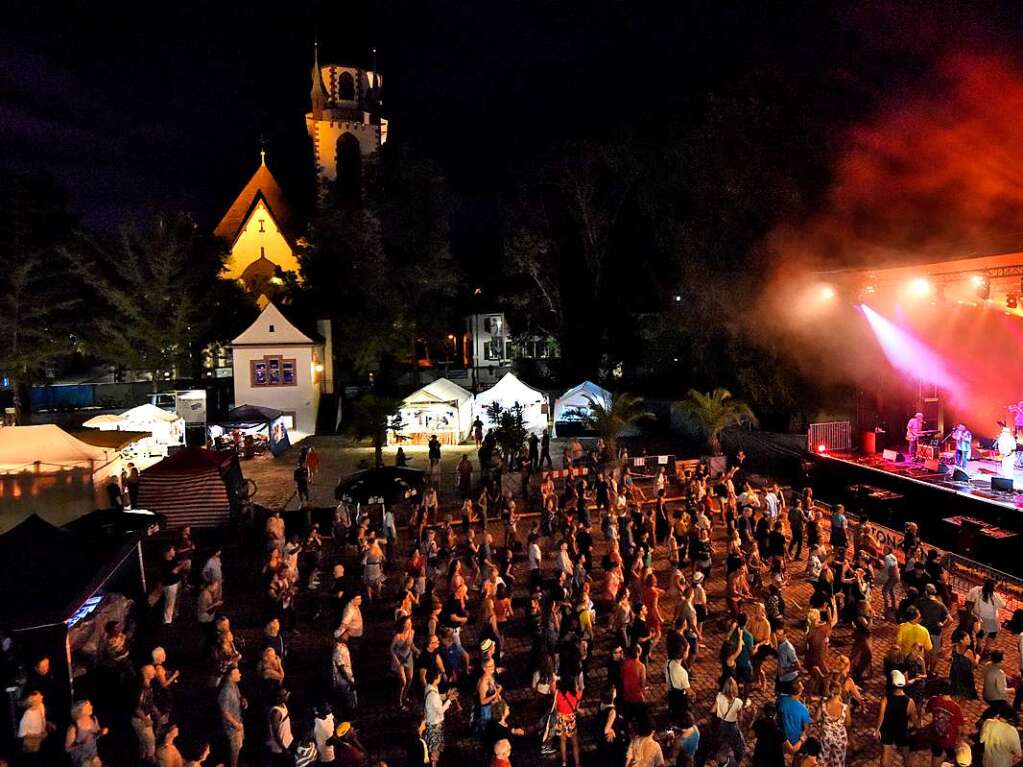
[136,108]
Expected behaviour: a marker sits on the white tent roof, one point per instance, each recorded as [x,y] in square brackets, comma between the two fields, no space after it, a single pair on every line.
[54,448]
[108,420]
[441,390]
[511,389]
[149,412]
[580,396]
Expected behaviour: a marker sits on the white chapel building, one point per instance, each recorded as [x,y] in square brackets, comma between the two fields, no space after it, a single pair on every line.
[276,365]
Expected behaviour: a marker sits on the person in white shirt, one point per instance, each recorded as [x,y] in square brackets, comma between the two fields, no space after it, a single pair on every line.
[351,622]
[535,562]
[677,678]
[323,732]
[33,727]
[436,706]
[565,561]
[644,751]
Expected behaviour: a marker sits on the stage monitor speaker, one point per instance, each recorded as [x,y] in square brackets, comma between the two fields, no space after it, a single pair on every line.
[893,455]
[968,538]
[934,465]
[1002,483]
[958,475]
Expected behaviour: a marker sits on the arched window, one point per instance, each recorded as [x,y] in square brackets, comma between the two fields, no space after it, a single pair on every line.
[349,167]
[346,87]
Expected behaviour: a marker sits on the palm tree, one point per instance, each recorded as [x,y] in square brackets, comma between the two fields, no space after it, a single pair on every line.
[715,412]
[609,417]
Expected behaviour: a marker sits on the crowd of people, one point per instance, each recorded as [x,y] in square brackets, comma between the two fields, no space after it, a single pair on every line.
[573,621]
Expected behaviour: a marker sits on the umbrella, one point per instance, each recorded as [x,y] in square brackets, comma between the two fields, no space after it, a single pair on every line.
[387,485]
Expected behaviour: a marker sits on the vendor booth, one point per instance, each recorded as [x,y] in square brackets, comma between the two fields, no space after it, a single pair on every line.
[192,486]
[46,471]
[508,392]
[572,407]
[166,429]
[442,408]
[262,428]
[60,586]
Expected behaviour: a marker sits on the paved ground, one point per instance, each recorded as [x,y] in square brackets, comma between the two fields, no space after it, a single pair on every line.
[382,726]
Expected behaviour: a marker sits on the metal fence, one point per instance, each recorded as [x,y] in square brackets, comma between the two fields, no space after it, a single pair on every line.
[833,435]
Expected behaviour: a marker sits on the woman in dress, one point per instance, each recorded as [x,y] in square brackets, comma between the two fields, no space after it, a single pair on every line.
[403,654]
[373,569]
[566,703]
[961,668]
[83,734]
[833,719]
[652,600]
[894,718]
[488,691]
[986,605]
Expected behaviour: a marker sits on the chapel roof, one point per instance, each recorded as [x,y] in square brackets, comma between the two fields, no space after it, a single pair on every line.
[262,186]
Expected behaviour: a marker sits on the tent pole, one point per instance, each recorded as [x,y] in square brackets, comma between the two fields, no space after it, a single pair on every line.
[67,651]
[142,568]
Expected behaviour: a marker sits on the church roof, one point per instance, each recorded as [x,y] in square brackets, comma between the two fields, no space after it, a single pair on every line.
[262,186]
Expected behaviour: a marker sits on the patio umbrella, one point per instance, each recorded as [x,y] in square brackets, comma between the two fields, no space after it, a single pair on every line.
[387,485]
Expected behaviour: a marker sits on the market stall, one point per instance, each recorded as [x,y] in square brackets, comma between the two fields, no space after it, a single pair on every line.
[572,407]
[166,427]
[46,471]
[442,408]
[508,392]
[192,486]
[263,427]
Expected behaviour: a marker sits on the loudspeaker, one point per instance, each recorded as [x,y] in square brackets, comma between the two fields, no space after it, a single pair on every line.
[958,475]
[968,538]
[935,466]
[1001,483]
[893,455]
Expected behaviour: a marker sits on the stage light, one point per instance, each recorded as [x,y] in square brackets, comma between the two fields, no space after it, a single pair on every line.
[827,292]
[678,299]
[920,287]
[822,448]
[870,289]
[1010,301]
[981,286]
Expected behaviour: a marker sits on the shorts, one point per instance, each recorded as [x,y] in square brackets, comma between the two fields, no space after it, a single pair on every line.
[235,739]
[434,737]
[895,739]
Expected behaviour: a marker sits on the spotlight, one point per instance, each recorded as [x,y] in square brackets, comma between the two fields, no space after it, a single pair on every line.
[920,287]
[827,292]
[981,286]
[822,448]
[1010,301]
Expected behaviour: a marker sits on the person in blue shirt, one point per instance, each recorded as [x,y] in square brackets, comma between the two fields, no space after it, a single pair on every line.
[793,716]
[744,661]
[686,742]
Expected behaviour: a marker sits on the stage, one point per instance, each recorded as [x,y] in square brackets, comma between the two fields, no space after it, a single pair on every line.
[977,489]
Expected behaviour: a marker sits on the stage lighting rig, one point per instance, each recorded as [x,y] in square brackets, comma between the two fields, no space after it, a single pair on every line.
[1010,301]
[981,286]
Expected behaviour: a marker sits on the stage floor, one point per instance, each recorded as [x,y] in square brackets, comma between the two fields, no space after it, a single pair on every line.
[979,486]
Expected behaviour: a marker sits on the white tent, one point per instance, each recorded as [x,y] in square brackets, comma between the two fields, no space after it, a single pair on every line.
[510,391]
[442,408]
[167,428]
[571,406]
[45,470]
[106,422]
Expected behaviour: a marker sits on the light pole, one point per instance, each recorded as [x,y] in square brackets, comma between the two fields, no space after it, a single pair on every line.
[475,340]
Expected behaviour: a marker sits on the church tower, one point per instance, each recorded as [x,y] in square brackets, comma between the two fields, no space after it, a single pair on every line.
[345,120]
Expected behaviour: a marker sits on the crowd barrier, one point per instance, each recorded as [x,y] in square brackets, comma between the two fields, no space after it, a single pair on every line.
[963,574]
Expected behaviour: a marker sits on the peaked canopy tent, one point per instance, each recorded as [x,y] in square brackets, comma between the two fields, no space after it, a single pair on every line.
[442,407]
[167,428]
[44,470]
[105,422]
[262,423]
[508,392]
[100,574]
[192,486]
[571,408]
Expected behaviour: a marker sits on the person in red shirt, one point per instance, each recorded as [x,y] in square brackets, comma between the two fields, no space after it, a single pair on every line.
[633,685]
[502,752]
[946,723]
[566,703]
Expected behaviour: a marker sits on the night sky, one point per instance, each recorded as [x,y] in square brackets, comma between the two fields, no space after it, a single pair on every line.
[137,108]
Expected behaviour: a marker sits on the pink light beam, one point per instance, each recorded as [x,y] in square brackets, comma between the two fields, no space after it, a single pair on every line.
[908,354]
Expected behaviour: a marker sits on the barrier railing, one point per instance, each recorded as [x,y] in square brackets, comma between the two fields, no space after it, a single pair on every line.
[833,435]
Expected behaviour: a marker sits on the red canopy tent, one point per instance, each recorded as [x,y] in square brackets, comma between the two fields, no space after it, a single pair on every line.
[192,486]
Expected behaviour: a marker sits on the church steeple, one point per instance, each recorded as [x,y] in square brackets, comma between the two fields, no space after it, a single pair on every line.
[318,95]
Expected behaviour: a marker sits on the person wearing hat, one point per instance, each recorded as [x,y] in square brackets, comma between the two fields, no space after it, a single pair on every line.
[348,751]
[279,729]
[1000,737]
[897,713]
[934,616]
[914,427]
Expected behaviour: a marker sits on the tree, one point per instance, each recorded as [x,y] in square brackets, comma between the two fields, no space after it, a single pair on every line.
[715,412]
[37,295]
[610,417]
[373,416]
[155,288]
[508,430]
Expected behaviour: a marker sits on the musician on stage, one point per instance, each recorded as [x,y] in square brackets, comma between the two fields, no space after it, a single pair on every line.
[914,428]
[1006,445]
[1017,417]
[962,439]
